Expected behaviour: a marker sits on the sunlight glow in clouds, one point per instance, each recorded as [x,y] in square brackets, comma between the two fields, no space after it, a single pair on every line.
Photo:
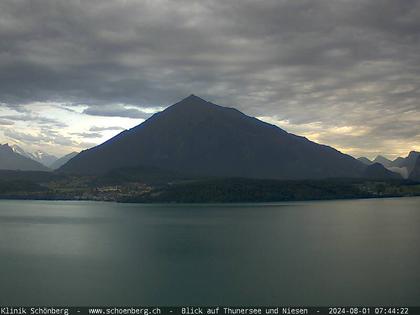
[57,130]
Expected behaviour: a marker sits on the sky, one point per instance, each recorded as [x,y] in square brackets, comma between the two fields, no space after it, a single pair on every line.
[345,73]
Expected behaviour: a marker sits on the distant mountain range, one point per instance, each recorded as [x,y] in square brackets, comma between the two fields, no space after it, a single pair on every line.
[63,160]
[365,160]
[200,138]
[197,138]
[39,156]
[10,160]
[403,166]
[13,155]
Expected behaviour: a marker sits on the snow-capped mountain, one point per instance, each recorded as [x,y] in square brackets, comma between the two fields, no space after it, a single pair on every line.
[11,160]
[17,149]
[39,156]
[44,158]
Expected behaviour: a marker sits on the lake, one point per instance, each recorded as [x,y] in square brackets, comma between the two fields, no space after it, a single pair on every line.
[351,252]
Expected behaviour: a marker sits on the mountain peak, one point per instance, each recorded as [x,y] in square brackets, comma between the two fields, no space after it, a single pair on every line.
[365,160]
[200,138]
[192,100]
[11,160]
[6,146]
[382,160]
[193,97]
[194,107]
[381,157]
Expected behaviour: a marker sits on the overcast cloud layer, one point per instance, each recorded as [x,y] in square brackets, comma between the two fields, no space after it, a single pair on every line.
[343,73]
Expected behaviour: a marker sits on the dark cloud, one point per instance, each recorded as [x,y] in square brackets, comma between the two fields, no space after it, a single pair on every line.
[5,122]
[25,137]
[115,111]
[41,138]
[88,134]
[30,117]
[112,128]
[338,63]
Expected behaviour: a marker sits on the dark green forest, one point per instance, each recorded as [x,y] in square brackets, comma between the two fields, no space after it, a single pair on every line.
[156,186]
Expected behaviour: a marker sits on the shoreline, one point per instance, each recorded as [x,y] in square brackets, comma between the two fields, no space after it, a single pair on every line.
[29,198]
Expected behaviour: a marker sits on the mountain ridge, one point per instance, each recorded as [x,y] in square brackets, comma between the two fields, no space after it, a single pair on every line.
[10,160]
[198,137]
[63,160]
[42,157]
[401,165]
[415,172]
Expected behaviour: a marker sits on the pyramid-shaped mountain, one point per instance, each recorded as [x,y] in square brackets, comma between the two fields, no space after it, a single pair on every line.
[196,137]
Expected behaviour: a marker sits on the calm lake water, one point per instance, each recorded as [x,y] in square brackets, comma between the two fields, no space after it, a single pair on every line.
[358,252]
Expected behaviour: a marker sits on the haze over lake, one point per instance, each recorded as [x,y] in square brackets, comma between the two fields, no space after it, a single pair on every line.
[357,252]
